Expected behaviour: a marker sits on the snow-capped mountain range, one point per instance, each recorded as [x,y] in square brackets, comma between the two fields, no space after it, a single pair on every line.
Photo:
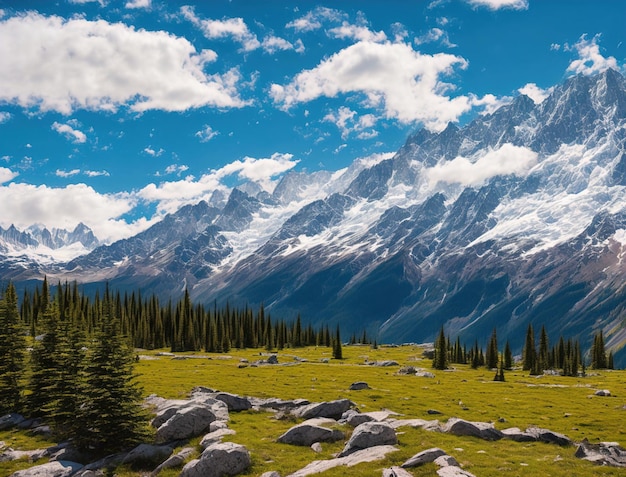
[517,217]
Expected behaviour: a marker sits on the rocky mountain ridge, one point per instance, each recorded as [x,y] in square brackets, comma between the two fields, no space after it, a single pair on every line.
[516,218]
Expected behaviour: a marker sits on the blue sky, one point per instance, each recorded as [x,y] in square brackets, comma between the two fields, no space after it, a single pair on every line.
[113,113]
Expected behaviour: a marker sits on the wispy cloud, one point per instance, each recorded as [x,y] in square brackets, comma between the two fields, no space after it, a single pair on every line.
[69,132]
[500,4]
[206,133]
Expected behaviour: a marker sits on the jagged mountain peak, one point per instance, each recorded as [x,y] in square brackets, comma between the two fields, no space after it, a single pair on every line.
[451,230]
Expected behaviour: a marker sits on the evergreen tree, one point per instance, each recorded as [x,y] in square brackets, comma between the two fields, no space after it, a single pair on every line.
[598,353]
[337,351]
[441,351]
[491,356]
[12,350]
[529,355]
[111,415]
[508,356]
[44,366]
[543,357]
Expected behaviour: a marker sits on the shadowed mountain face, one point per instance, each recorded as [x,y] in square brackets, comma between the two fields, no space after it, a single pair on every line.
[517,217]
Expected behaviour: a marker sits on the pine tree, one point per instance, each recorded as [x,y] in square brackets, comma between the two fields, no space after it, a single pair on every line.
[111,415]
[543,357]
[491,357]
[12,350]
[441,351]
[529,355]
[598,353]
[337,351]
[44,365]
[508,356]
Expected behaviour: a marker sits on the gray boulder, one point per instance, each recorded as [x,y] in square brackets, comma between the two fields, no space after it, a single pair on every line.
[50,469]
[223,458]
[310,432]
[370,434]
[175,461]
[515,434]
[190,421]
[366,455]
[602,392]
[424,457]
[604,453]
[146,456]
[215,436]
[453,471]
[271,473]
[482,430]
[358,386]
[548,436]
[446,461]
[235,403]
[331,409]
[278,404]
[10,420]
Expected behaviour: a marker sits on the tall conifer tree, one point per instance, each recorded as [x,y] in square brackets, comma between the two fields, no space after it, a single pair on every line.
[12,350]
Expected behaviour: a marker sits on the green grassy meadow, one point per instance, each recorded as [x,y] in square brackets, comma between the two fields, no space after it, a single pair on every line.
[562,404]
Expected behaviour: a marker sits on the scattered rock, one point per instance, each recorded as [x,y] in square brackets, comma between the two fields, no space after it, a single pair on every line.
[235,403]
[32,455]
[604,453]
[146,456]
[190,421]
[316,447]
[384,364]
[407,370]
[433,411]
[453,471]
[331,409]
[177,460]
[215,436]
[278,404]
[223,458]
[366,455]
[515,434]
[50,469]
[272,473]
[424,374]
[424,457]
[370,434]
[446,461]
[10,420]
[358,386]
[482,430]
[311,431]
[548,436]
[273,359]
[602,392]
[416,423]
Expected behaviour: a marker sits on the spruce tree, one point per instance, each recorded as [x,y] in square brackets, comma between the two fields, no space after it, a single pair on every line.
[508,356]
[598,353]
[441,351]
[491,357]
[12,350]
[44,365]
[111,416]
[337,350]
[529,355]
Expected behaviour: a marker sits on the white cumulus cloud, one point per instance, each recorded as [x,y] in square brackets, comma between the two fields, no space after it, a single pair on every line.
[590,60]
[233,28]
[356,32]
[25,204]
[4,116]
[138,4]
[69,132]
[406,84]
[535,93]
[498,4]
[50,63]
[7,175]
[507,160]
[314,19]
[348,122]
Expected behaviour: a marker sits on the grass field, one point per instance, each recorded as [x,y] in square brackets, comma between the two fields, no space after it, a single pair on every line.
[562,404]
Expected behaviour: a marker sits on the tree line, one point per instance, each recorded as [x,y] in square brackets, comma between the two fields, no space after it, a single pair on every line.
[566,356]
[68,359]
